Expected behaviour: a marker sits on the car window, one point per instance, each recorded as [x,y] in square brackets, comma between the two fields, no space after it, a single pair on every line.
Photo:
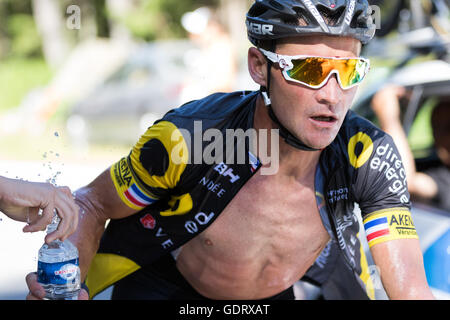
[420,135]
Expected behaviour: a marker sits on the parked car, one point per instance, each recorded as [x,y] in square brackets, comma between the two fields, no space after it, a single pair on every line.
[143,89]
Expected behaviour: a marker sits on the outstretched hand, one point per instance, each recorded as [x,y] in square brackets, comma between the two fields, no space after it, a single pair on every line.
[36,203]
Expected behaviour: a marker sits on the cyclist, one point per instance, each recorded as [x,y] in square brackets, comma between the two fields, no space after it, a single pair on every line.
[185,228]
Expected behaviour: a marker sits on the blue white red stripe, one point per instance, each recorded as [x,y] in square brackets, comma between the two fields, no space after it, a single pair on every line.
[254,161]
[376,228]
[137,197]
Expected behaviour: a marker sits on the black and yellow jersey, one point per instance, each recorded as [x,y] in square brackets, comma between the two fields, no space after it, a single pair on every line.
[169,176]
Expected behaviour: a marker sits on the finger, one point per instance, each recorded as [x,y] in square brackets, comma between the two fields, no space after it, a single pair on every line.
[83,295]
[36,290]
[66,226]
[32,216]
[30,296]
[42,221]
[72,212]
[69,214]
[61,232]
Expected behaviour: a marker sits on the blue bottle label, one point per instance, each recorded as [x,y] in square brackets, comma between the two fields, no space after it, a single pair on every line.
[58,273]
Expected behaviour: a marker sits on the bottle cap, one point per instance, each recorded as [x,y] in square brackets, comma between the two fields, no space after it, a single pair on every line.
[54,224]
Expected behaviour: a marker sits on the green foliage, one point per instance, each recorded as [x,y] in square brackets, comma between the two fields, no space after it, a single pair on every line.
[19,77]
[25,39]
[159,19]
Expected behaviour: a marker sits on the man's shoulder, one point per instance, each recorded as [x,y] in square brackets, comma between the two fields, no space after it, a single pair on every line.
[212,107]
[356,141]
[354,123]
[356,128]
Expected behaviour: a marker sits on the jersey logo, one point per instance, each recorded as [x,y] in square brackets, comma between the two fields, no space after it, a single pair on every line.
[201,219]
[179,205]
[358,139]
[226,171]
[148,222]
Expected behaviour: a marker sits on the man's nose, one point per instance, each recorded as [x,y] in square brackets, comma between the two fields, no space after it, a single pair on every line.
[330,93]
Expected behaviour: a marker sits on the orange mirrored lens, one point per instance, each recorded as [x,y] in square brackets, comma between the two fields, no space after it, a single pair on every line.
[313,71]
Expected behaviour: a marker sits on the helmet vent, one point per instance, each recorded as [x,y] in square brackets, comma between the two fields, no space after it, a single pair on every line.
[331,17]
[276,4]
[302,18]
[357,22]
[256,11]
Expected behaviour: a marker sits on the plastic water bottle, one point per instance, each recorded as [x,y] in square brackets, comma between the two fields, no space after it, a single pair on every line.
[58,268]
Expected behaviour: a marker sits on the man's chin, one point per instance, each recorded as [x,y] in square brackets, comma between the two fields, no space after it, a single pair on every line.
[319,142]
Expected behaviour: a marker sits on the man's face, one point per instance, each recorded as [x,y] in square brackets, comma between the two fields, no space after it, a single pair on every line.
[312,115]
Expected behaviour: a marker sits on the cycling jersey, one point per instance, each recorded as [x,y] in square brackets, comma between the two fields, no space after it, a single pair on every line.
[179,193]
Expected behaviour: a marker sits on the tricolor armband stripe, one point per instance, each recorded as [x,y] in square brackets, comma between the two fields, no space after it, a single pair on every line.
[389,224]
[376,228]
[137,196]
[128,188]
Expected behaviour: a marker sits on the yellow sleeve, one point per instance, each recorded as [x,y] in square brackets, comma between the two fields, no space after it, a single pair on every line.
[153,167]
[389,224]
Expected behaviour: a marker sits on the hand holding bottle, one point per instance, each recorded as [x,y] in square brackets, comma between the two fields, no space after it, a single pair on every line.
[36,203]
[37,292]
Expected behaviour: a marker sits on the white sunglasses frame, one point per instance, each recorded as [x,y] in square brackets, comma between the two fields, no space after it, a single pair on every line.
[285,63]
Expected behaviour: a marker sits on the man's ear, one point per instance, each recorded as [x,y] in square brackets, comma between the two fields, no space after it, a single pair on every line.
[257,66]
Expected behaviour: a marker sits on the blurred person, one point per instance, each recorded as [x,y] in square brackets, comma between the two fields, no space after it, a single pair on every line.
[433,184]
[213,63]
[186,228]
[22,201]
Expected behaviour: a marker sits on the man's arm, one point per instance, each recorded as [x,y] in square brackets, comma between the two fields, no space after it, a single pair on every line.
[401,269]
[98,202]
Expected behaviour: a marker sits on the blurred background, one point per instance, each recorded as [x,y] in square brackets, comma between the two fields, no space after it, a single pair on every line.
[81,80]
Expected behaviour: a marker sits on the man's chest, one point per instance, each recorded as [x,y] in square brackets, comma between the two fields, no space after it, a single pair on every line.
[272,214]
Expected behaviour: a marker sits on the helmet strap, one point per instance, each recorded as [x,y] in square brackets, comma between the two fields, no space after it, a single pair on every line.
[284,133]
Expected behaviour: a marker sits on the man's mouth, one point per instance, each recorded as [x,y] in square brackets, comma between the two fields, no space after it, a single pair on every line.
[324,119]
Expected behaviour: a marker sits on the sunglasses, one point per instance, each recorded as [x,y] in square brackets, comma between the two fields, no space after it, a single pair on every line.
[314,72]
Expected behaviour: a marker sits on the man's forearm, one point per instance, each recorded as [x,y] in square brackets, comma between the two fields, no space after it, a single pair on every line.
[90,229]
[401,269]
